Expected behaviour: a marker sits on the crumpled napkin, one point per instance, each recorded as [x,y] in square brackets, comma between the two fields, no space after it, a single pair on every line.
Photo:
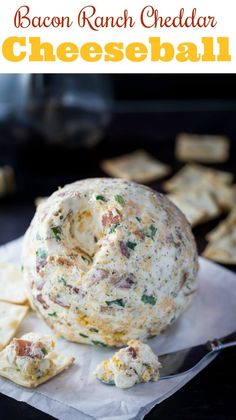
[76,392]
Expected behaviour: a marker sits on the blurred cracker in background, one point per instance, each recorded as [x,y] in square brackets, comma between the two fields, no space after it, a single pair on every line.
[202,148]
[137,166]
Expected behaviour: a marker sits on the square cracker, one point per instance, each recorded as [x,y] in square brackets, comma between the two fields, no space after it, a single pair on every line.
[137,166]
[198,205]
[223,228]
[222,245]
[11,316]
[225,195]
[193,215]
[193,174]
[202,148]
[11,284]
[223,250]
[7,371]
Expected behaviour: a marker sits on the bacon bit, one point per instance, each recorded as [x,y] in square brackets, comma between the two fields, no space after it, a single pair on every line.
[183,280]
[58,301]
[61,260]
[42,301]
[73,289]
[124,250]
[108,309]
[139,234]
[98,276]
[23,348]
[173,240]
[125,281]
[132,352]
[112,217]
[40,264]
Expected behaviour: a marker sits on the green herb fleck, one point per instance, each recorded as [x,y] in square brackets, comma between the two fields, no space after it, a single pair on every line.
[99,343]
[100,197]
[113,228]
[131,245]
[147,365]
[41,253]
[22,268]
[148,299]
[120,200]
[53,314]
[56,230]
[93,330]
[62,280]
[118,302]
[83,335]
[150,232]
[44,351]
[138,219]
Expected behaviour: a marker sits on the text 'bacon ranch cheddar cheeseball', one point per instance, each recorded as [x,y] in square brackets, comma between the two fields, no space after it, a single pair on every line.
[107,260]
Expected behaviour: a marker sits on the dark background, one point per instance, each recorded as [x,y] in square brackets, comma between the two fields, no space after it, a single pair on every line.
[143,111]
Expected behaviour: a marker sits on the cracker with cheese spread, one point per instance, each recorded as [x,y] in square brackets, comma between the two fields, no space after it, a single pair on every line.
[31,360]
[138,166]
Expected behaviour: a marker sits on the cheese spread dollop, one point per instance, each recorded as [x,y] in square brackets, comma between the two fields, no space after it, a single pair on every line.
[30,355]
[129,366]
[107,260]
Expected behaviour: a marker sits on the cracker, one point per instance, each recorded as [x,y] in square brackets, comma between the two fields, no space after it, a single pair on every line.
[192,174]
[223,250]
[202,148]
[224,228]
[193,215]
[225,195]
[7,371]
[11,316]
[199,200]
[222,241]
[138,166]
[11,284]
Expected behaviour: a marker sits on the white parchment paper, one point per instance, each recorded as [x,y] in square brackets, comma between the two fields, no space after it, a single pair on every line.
[77,394]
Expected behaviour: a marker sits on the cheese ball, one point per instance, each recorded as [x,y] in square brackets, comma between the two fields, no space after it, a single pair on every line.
[106,261]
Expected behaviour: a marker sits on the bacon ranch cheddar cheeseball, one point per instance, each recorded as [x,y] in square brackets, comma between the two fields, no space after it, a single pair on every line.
[107,260]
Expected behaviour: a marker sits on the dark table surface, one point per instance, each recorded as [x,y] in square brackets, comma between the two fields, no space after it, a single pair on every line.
[211,395]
